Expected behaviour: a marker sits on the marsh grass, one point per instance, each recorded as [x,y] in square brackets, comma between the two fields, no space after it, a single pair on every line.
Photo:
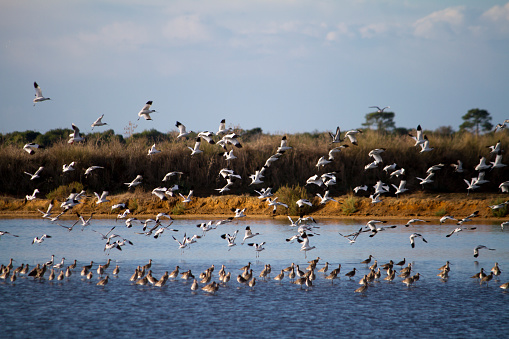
[349,205]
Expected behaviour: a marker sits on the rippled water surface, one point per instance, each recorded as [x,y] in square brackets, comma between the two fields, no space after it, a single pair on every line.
[459,307]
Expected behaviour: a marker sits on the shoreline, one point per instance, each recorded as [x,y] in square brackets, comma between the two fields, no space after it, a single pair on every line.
[347,207]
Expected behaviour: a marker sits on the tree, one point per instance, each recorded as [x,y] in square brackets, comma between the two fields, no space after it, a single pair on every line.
[476,118]
[382,120]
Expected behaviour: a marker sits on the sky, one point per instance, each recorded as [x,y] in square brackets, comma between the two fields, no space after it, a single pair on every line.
[286,66]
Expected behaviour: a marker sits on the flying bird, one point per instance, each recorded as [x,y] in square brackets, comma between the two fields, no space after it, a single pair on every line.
[38,94]
[98,122]
[146,111]
[416,235]
[36,174]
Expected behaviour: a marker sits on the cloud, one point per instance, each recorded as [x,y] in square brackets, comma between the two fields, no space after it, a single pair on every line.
[373,30]
[495,21]
[186,29]
[439,24]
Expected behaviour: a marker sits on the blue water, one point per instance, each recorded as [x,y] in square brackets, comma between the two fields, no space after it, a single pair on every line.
[458,308]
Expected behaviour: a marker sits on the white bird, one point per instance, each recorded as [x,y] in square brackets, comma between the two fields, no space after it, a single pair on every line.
[359,188]
[160,192]
[375,198]
[376,155]
[322,162]
[275,204]
[60,264]
[371,165]
[105,236]
[129,222]
[283,146]
[381,188]
[391,168]
[413,236]
[41,239]
[47,214]
[498,161]
[499,206]
[468,218]
[352,136]
[32,197]
[505,223]
[336,138]
[182,130]
[419,139]
[504,187]
[458,167]
[171,174]
[102,197]
[38,94]
[146,111]
[411,221]
[161,229]
[401,188]
[135,182]
[353,236]
[231,139]
[316,180]
[153,150]
[482,164]
[264,193]
[457,230]
[207,136]
[425,146]
[326,198]
[426,180]
[31,147]
[186,198]
[123,215]
[228,155]
[446,217]
[196,149]
[328,179]
[84,222]
[36,174]
[471,185]
[302,202]
[258,247]
[75,136]
[230,238]
[272,158]
[92,168]
[256,178]
[305,247]
[98,122]
[479,247]
[248,234]
[397,173]
[495,148]
[68,168]
[336,150]
[239,213]
[371,226]
[222,127]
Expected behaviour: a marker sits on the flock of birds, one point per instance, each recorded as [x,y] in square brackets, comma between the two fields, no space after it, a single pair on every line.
[306,226]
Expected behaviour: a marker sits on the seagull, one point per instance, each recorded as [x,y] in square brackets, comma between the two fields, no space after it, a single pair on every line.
[230,138]
[458,229]
[419,139]
[68,168]
[359,188]
[411,221]
[182,130]
[397,173]
[31,147]
[416,235]
[36,174]
[458,167]
[188,197]
[239,213]
[336,138]
[256,178]
[258,247]
[482,164]
[38,94]
[425,146]
[504,187]
[47,214]
[500,127]
[153,150]
[375,198]
[272,158]
[305,244]
[41,239]
[84,222]
[375,154]
[352,237]
[160,230]
[352,136]
[171,174]
[381,188]
[92,168]
[207,136]
[248,234]
[129,222]
[495,148]
[499,206]
[371,225]
[471,185]
[196,149]
[315,179]
[446,217]
[380,110]
[230,238]
[302,202]
[32,197]
[275,203]
[105,236]
[498,161]
[283,146]
[102,197]
[322,162]
[468,218]
[135,182]
[222,127]
[479,247]
[7,233]
[264,193]
[326,198]
[371,165]
[75,136]
[228,155]
[336,150]
[160,192]
[146,111]
[426,180]
[401,188]
[98,122]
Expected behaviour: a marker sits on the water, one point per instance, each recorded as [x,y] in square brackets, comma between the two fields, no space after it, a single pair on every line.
[459,307]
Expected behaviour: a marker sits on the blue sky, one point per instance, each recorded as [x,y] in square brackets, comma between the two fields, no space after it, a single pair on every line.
[285,66]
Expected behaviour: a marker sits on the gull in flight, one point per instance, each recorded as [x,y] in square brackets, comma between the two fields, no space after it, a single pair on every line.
[222,127]
[482,164]
[426,180]
[458,167]
[380,110]
[498,161]
[258,247]
[302,202]
[322,162]
[275,204]
[239,213]
[153,150]
[411,221]
[230,138]
[458,229]
[102,197]
[36,174]
[41,239]
[446,217]
[283,146]
[75,136]
[68,168]
[416,235]
[207,136]
[305,244]
[47,214]
[401,188]
[468,218]
[248,234]
[359,188]
[479,247]
[146,111]
[230,238]
[98,122]
[375,154]
[326,198]
[371,225]
[315,179]
[196,149]
[495,148]
[418,138]
[353,236]
[92,168]
[182,130]
[170,174]
[135,182]
[188,198]
[38,94]
[336,138]
[31,147]
[31,197]
[425,146]
[352,136]
[256,178]
[264,193]
[336,150]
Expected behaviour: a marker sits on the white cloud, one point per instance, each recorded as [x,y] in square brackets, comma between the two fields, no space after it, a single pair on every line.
[441,23]
[496,21]
[497,13]
[186,29]
[341,30]
[372,30]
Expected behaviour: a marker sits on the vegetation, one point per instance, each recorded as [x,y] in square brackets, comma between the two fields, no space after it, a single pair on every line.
[476,120]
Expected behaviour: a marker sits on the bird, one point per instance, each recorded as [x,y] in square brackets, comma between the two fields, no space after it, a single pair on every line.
[336,138]
[36,174]
[458,166]
[380,110]
[352,237]
[31,147]
[425,146]
[222,127]
[168,175]
[412,221]
[196,149]
[248,234]
[68,168]
[182,130]
[8,233]
[239,213]
[336,150]
[40,239]
[101,198]
[302,202]
[273,202]
[103,281]
[305,247]
[47,214]
[187,198]
[322,162]
[360,188]
[32,196]
[482,164]
[416,235]
[92,168]
[446,217]
[351,274]
[146,111]
[498,161]
[283,146]
[152,150]
[401,188]
[230,238]
[352,136]
[418,138]
[98,122]
[38,94]
[479,247]
[257,177]
[368,260]
[75,136]
[326,198]
[258,247]
[136,181]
